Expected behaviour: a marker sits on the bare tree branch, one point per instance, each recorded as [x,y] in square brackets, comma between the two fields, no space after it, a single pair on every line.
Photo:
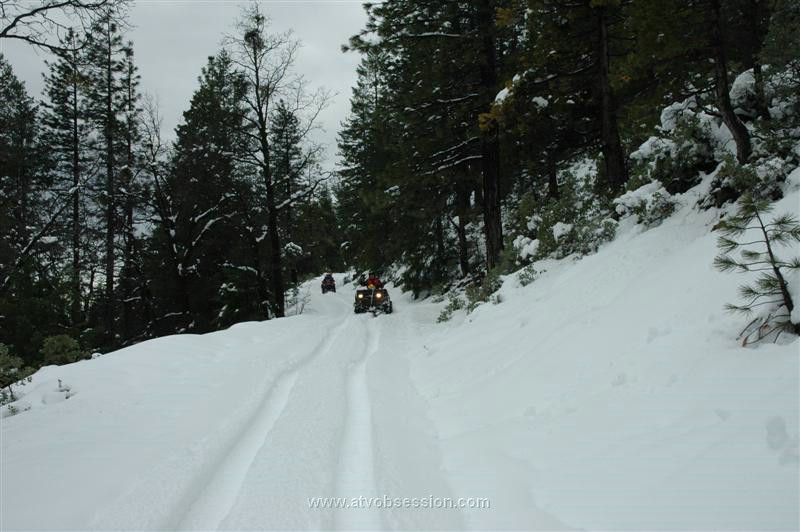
[44,23]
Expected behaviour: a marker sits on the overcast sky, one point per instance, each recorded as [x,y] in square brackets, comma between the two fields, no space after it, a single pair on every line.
[173,39]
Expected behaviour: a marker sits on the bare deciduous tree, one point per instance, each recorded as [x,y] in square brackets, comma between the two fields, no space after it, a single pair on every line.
[46,22]
[266,60]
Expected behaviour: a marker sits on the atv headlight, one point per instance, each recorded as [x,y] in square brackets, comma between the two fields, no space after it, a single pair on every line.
[360,296]
[379,295]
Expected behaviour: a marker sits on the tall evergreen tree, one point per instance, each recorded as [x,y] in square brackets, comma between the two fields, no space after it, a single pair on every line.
[105,103]
[193,216]
[365,153]
[131,190]
[31,304]
[295,172]
[446,63]
[65,133]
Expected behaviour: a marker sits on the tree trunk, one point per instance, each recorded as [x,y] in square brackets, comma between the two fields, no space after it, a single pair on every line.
[127,292]
[490,147]
[441,253]
[759,14]
[722,87]
[182,285]
[127,288]
[462,207]
[552,177]
[276,251]
[761,100]
[275,255]
[88,303]
[76,212]
[784,288]
[616,171]
[110,195]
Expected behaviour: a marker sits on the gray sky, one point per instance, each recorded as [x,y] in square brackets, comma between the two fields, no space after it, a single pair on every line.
[173,39]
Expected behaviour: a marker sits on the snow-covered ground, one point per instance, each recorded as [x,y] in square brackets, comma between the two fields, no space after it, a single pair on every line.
[611,394]
[608,394]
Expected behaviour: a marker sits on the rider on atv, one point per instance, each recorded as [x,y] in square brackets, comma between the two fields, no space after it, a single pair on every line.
[374,298]
[373,281]
[328,283]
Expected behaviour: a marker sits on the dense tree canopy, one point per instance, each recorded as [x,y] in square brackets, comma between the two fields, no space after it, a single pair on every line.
[456,163]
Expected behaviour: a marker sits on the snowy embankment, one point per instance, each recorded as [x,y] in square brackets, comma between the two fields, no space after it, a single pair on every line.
[142,425]
[610,393]
[232,430]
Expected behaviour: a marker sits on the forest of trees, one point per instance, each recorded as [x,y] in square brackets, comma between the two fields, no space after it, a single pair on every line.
[110,235]
[464,121]
[467,114]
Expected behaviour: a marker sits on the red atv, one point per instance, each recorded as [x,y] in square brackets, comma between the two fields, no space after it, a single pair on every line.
[328,284]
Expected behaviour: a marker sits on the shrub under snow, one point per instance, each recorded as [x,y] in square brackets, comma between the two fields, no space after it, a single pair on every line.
[650,203]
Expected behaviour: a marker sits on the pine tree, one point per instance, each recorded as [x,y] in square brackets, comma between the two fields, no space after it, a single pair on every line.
[31,292]
[366,153]
[19,182]
[65,133]
[770,290]
[695,45]
[131,191]
[781,50]
[105,101]
[573,47]
[446,59]
[288,166]
[192,250]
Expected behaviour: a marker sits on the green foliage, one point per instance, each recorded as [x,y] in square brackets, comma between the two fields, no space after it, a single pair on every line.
[781,56]
[677,156]
[12,371]
[454,303]
[32,299]
[582,212]
[61,349]
[527,275]
[650,203]
[759,180]
[769,295]
[481,292]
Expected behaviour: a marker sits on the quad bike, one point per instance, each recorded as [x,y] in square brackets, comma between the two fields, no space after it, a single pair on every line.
[375,300]
[328,285]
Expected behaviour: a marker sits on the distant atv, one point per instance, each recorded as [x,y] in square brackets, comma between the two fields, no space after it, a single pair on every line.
[375,300]
[328,284]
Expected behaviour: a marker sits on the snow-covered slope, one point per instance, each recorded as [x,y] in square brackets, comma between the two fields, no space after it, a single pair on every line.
[608,394]
[232,430]
[611,394]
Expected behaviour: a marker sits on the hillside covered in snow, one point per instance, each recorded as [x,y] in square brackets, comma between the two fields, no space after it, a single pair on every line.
[609,393]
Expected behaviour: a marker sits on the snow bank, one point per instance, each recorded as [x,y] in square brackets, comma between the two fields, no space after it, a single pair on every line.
[611,394]
[141,426]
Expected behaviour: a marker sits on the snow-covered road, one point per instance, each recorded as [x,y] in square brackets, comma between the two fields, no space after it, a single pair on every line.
[320,408]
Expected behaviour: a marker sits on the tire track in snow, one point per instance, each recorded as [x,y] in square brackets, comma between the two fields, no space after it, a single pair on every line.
[356,473]
[213,504]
